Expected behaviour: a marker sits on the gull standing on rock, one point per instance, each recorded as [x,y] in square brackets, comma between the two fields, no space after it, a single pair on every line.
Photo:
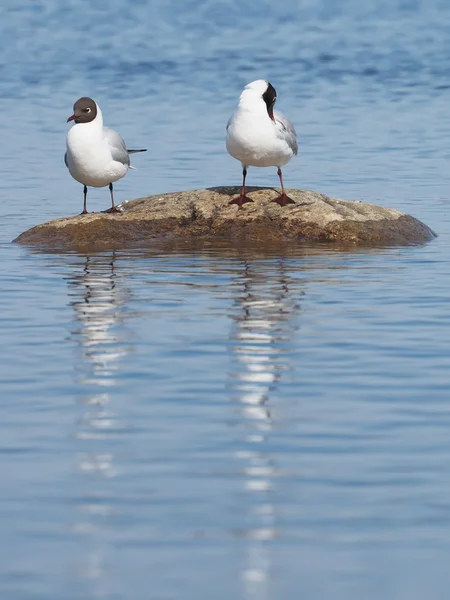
[258,136]
[96,155]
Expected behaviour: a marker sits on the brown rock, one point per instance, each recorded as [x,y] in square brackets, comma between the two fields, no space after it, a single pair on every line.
[206,215]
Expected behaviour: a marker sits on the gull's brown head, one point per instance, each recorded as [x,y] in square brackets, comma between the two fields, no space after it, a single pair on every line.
[84,111]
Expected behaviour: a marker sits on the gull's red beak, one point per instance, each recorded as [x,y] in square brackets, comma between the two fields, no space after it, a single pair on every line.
[72,118]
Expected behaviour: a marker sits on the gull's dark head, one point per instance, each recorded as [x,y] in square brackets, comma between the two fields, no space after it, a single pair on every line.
[270,97]
[84,111]
[257,90]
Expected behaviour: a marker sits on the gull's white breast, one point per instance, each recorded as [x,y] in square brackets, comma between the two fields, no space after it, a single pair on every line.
[89,156]
[256,140]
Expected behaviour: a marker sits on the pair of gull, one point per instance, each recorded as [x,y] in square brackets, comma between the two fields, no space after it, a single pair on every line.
[257,136]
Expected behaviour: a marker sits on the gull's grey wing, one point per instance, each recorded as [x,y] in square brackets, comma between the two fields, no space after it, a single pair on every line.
[117,146]
[65,159]
[287,130]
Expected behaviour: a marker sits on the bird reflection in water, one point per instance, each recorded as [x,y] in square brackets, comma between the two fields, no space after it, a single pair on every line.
[98,298]
[263,330]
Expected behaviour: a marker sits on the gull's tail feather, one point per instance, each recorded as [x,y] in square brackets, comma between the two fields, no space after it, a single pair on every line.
[134,151]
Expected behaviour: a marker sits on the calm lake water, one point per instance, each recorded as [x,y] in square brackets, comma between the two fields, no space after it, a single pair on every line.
[208,421]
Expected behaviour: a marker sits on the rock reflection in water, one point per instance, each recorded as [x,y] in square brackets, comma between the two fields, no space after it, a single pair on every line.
[264,328]
[98,298]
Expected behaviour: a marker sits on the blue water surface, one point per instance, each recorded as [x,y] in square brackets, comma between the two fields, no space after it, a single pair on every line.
[208,421]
